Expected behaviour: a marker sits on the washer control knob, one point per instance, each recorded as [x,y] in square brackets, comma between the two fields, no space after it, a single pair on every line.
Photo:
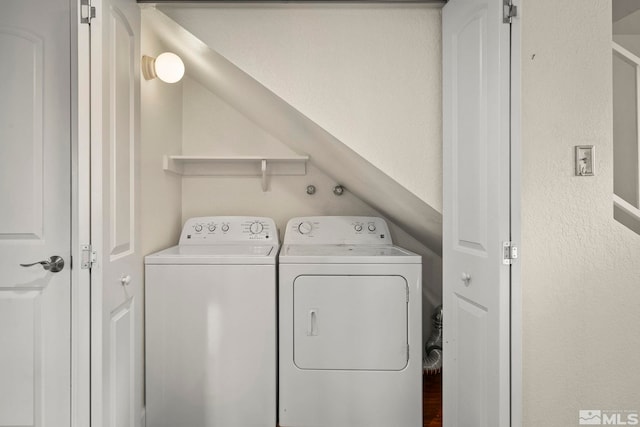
[256,227]
[225,227]
[212,227]
[358,227]
[305,227]
[198,228]
[372,227]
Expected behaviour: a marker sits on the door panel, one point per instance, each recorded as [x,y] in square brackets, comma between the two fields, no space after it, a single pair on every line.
[476,55]
[122,141]
[117,352]
[122,365]
[470,140]
[18,367]
[35,220]
[350,322]
[21,133]
[472,354]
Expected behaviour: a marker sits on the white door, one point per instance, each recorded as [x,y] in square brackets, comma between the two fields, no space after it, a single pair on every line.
[476,221]
[35,203]
[117,368]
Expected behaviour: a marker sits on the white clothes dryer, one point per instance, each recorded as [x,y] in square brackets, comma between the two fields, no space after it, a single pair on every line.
[350,326]
[211,326]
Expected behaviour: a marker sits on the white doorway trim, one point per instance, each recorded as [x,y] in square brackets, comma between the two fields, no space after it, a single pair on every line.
[516,221]
[80,224]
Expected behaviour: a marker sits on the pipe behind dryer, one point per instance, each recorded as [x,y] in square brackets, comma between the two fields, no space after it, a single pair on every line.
[432,361]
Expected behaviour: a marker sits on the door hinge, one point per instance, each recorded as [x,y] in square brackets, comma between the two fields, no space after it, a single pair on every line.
[509,11]
[509,252]
[87,12]
[89,257]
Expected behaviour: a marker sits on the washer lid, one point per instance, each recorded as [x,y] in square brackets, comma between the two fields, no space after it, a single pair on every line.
[215,254]
[347,254]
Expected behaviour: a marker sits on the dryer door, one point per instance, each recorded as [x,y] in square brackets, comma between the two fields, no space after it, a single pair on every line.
[350,322]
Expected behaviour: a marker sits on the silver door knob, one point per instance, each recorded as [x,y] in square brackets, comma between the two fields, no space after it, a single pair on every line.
[54,264]
[125,280]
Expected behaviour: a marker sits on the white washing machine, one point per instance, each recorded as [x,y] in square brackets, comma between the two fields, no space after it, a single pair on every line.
[350,326]
[211,326]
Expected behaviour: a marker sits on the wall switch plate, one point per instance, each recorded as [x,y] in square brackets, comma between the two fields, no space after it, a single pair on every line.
[584,160]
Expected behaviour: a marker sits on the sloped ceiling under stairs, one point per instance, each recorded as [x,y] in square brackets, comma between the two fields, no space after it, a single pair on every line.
[300,133]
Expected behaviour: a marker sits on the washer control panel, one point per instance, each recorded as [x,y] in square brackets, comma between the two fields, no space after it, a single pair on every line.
[212,230]
[337,230]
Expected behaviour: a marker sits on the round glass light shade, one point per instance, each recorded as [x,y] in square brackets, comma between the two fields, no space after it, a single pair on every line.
[169,67]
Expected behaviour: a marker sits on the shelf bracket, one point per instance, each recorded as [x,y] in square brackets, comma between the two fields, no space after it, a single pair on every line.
[263,168]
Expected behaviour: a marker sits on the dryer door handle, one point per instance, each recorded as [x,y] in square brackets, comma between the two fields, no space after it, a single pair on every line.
[312,330]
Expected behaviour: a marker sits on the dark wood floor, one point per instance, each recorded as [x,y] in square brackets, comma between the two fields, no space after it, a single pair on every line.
[432,400]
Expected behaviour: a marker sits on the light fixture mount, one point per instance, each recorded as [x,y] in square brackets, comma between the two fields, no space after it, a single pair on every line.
[148,68]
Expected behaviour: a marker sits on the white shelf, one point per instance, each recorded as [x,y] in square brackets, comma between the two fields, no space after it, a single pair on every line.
[261,166]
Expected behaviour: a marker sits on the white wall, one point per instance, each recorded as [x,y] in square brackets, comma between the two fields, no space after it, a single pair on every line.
[213,127]
[580,267]
[625,118]
[629,41]
[368,74]
[161,133]
[625,123]
[629,23]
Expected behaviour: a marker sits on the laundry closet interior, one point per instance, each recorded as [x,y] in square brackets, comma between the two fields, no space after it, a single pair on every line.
[297,110]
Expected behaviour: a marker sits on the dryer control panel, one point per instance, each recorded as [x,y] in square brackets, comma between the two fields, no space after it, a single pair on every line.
[212,230]
[338,230]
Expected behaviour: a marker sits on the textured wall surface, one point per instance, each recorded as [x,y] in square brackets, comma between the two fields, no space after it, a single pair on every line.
[580,268]
[369,75]
[212,127]
[161,133]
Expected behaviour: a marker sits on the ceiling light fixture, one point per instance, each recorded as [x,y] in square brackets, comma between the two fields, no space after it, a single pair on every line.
[168,67]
